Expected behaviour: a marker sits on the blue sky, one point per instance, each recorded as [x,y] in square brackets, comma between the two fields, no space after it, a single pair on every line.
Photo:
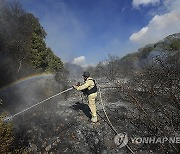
[86,31]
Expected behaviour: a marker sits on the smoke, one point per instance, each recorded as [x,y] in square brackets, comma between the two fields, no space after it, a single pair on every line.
[29,92]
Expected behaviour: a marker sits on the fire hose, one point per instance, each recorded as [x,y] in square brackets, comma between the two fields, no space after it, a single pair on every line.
[11,117]
[109,122]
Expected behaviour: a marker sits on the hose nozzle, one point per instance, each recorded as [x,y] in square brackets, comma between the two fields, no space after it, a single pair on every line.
[7,119]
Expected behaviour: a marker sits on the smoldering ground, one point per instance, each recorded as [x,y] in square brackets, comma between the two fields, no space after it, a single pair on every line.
[60,125]
[26,93]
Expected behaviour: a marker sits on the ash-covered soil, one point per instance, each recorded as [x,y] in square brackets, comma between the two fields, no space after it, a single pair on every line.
[62,124]
[66,127]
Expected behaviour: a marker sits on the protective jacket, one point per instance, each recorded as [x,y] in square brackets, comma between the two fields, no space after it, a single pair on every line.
[89,87]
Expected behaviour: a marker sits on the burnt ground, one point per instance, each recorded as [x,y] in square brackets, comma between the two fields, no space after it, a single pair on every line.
[66,128]
[62,125]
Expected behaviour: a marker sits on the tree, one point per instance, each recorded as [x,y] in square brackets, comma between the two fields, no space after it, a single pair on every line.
[23,49]
[155,92]
[109,68]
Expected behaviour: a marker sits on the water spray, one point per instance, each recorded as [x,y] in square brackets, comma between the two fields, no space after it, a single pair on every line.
[11,117]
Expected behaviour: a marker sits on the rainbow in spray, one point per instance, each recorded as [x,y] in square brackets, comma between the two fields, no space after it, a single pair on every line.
[27,78]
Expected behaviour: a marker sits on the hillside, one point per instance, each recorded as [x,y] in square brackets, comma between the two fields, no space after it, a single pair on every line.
[168,45]
[23,50]
[74,70]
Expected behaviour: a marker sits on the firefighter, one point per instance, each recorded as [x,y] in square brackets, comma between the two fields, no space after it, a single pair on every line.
[89,88]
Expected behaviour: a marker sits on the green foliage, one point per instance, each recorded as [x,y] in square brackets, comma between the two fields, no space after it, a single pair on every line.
[43,58]
[54,62]
[6,137]
[130,57]
[144,52]
[175,45]
[38,52]
[23,49]
[7,140]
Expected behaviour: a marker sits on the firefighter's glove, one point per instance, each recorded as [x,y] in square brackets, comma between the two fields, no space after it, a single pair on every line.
[78,84]
[75,87]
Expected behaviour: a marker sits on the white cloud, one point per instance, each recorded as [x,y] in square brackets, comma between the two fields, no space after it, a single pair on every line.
[137,36]
[81,61]
[137,3]
[160,26]
[172,5]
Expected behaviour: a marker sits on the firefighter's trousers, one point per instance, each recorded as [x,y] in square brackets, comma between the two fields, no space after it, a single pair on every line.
[92,103]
